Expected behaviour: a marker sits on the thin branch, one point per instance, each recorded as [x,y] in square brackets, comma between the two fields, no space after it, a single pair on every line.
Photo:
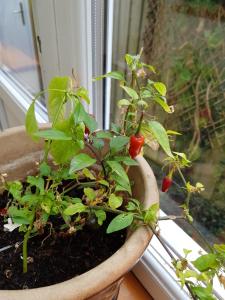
[98,158]
[173,258]
[170,217]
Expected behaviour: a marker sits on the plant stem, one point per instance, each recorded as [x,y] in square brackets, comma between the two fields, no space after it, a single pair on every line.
[187,204]
[188,200]
[92,183]
[25,241]
[181,175]
[140,122]
[170,218]
[172,257]
[202,237]
[115,211]
[128,108]
[98,158]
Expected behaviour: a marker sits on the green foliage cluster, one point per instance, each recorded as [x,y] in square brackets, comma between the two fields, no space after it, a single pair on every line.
[99,175]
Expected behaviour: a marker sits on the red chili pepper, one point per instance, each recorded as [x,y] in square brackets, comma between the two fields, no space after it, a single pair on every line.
[136,143]
[166,184]
[86,130]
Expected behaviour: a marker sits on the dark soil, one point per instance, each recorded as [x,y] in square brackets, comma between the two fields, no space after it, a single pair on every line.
[58,259]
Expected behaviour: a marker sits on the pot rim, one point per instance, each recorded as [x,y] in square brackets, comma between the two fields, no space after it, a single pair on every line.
[113,268]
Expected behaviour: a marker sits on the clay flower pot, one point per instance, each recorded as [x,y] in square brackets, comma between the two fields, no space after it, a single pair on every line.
[18,154]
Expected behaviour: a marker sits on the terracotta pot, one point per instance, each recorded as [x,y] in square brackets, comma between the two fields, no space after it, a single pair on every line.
[18,154]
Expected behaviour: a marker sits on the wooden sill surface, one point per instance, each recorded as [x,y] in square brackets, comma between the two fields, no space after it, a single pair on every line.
[131,289]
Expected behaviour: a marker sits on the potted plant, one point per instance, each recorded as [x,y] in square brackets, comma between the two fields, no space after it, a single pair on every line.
[66,209]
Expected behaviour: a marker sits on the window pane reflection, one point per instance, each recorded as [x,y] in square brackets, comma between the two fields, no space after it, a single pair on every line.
[18,57]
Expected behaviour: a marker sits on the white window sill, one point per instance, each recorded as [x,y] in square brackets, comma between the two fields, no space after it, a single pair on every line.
[154,269]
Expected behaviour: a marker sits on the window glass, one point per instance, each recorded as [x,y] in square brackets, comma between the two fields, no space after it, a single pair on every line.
[185,41]
[18,57]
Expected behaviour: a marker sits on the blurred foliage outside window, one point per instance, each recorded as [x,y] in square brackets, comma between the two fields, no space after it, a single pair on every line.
[185,41]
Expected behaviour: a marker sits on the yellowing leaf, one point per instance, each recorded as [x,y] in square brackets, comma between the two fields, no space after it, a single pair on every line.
[31,122]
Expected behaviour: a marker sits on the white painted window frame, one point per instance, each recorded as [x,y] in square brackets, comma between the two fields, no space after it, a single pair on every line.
[65,41]
[65,32]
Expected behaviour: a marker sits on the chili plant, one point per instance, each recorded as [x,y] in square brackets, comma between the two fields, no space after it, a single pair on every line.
[101,173]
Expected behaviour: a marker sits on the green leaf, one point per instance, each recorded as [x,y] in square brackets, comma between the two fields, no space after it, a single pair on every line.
[74,209]
[129,59]
[120,222]
[20,216]
[206,262]
[83,93]
[87,173]
[104,182]
[133,61]
[123,183]
[31,122]
[75,200]
[115,201]
[203,293]
[161,136]
[80,115]
[53,134]
[131,206]
[63,151]
[98,143]
[163,104]
[46,204]
[15,189]
[103,135]
[90,193]
[123,102]
[183,156]
[114,75]
[38,182]
[126,160]
[142,103]
[186,252]
[101,216]
[146,93]
[120,176]
[151,214]
[115,128]
[81,161]
[131,92]
[220,248]
[150,67]
[117,143]
[120,188]
[31,199]
[45,170]
[57,89]
[160,87]
[172,132]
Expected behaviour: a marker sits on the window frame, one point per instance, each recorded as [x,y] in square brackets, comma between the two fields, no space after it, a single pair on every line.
[54,26]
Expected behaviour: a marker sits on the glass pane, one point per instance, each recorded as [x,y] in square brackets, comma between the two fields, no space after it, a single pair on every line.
[185,41]
[18,57]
